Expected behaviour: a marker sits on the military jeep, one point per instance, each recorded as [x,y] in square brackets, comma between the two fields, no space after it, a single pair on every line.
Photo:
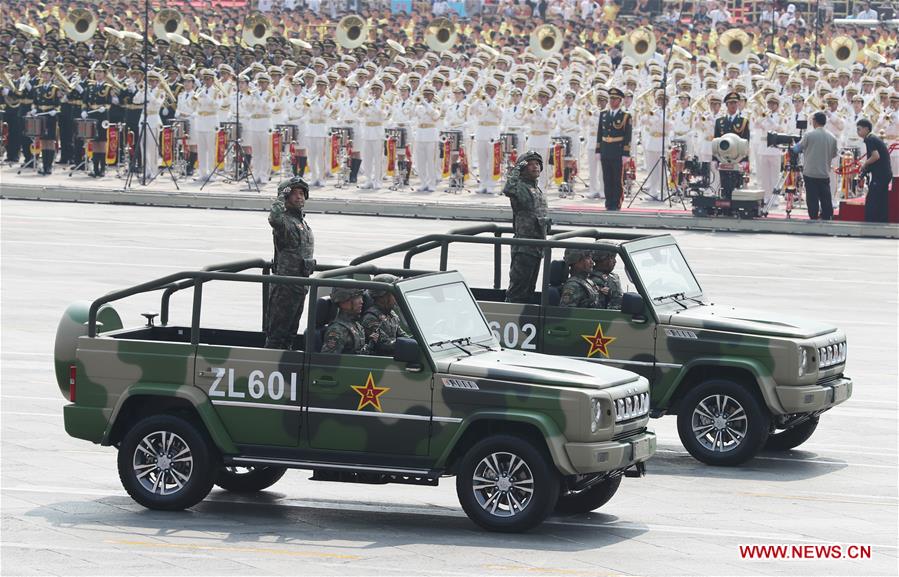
[738,381]
[191,405]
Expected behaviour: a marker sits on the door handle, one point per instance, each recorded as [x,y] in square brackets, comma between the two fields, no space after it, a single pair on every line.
[207,373]
[558,332]
[325,381]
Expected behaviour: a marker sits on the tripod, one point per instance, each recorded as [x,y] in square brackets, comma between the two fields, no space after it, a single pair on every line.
[235,146]
[665,194]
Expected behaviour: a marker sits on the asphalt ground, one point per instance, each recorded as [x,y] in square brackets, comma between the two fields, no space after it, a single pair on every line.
[64,511]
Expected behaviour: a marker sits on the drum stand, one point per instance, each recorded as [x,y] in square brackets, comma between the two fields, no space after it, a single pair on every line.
[144,133]
[31,163]
[235,147]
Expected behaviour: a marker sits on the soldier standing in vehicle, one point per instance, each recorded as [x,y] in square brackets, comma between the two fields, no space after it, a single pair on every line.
[380,321]
[609,284]
[529,220]
[345,334]
[579,290]
[294,246]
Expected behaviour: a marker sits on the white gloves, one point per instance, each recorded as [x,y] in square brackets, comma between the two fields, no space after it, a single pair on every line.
[84,114]
[52,113]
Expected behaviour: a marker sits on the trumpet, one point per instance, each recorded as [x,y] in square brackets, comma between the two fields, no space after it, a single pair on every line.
[168,91]
[4,77]
[59,77]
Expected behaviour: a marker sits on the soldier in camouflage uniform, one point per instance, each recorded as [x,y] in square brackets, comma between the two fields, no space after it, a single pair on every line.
[529,219]
[608,282]
[294,245]
[579,290]
[345,334]
[380,321]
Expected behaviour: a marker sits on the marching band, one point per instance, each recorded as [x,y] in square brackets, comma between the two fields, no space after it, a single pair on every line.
[333,109]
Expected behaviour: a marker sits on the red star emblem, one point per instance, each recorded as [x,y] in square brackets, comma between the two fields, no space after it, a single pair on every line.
[370,394]
[599,343]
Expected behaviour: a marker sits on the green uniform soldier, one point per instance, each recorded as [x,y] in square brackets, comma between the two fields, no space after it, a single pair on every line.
[345,334]
[579,290]
[380,321]
[609,284]
[529,220]
[294,245]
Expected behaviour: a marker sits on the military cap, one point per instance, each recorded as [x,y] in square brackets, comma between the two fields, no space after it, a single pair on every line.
[576,255]
[798,98]
[428,89]
[773,98]
[459,88]
[263,77]
[321,81]
[715,98]
[602,254]
[276,70]
[529,156]
[616,93]
[207,73]
[732,97]
[285,186]
[343,294]
[384,278]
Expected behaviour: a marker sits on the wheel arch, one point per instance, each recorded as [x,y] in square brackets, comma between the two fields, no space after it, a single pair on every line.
[148,399]
[746,372]
[540,429]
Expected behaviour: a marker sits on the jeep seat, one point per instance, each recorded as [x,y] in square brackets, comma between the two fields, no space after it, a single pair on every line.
[325,311]
[558,272]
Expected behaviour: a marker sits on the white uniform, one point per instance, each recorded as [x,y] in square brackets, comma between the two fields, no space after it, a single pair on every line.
[568,123]
[373,115]
[540,123]
[836,125]
[319,112]
[594,167]
[426,117]
[185,110]
[769,160]
[488,115]
[208,105]
[889,124]
[154,122]
[259,131]
[652,149]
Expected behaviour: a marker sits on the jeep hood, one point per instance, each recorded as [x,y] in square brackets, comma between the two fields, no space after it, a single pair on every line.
[535,368]
[725,318]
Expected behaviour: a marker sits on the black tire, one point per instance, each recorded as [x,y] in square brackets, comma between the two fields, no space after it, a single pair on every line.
[189,475]
[248,479]
[588,499]
[745,421]
[493,506]
[792,437]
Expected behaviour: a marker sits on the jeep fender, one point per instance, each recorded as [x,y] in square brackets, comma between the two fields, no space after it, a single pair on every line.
[552,436]
[759,372]
[194,396]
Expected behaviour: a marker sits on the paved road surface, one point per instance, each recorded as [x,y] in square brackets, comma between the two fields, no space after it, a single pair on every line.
[64,511]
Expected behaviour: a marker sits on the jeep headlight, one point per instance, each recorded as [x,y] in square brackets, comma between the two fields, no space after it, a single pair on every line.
[803,361]
[595,415]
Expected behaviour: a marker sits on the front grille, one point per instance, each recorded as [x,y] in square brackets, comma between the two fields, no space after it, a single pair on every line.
[832,355]
[631,407]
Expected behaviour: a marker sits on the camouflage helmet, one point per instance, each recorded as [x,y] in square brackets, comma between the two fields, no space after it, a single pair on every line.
[285,186]
[529,156]
[575,255]
[603,254]
[342,294]
[385,278]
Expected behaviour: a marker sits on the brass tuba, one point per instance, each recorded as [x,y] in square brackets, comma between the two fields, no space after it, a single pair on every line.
[841,52]
[60,80]
[256,29]
[440,35]
[352,32]
[546,40]
[29,30]
[733,46]
[640,45]
[168,21]
[79,25]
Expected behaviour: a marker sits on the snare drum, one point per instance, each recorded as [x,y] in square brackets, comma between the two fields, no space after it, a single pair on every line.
[86,128]
[344,135]
[231,130]
[565,141]
[289,132]
[34,126]
[454,137]
[399,135]
[508,142]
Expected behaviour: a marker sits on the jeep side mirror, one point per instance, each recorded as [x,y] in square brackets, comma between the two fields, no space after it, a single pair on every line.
[632,304]
[406,350]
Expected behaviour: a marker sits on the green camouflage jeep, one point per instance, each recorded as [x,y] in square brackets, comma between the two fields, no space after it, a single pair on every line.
[191,405]
[738,380]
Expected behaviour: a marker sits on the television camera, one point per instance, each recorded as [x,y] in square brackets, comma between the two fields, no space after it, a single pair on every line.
[734,200]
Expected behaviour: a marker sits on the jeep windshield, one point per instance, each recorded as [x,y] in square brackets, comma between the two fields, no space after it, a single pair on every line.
[666,275]
[449,317]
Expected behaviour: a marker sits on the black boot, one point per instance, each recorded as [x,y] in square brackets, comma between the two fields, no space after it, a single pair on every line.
[102,164]
[191,159]
[247,161]
[47,160]
[355,163]
[96,165]
[301,165]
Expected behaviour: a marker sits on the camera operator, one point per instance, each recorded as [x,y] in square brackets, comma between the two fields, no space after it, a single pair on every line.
[878,166]
[820,148]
